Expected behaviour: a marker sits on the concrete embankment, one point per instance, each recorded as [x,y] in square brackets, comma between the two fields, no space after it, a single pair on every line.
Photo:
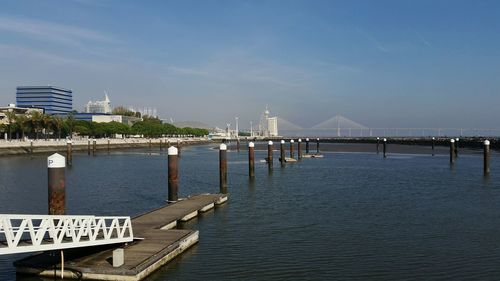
[51,146]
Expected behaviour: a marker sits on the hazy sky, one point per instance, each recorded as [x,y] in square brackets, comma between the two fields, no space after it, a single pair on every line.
[380,63]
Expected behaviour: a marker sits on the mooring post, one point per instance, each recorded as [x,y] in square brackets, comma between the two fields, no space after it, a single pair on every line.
[108,145]
[456,147]
[486,157]
[251,160]
[291,148]
[56,184]
[238,144]
[69,152]
[317,146]
[178,147]
[299,149]
[385,147]
[31,147]
[307,145]
[160,143]
[88,146]
[378,145]
[433,144]
[150,144]
[270,155]
[173,186]
[223,168]
[452,151]
[282,152]
[94,147]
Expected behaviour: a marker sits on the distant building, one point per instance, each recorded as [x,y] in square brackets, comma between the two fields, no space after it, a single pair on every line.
[17,110]
[127,120]
[99,106]
[53,100]
[268,126]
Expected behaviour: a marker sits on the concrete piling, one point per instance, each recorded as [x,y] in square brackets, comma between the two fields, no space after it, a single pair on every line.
[486,157]
[223,168]
[173,172]
[56,184]
[251,160]
[291,148]
[69,152]
[385,147]
[94,147]
[270,155]
[317,145]
[299,149]
[307,145]
[452,151]
[282,152]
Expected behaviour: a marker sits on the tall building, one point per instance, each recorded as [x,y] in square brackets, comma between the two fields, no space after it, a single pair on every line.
[53,100]
[272,126]
[268,126]
[99,106]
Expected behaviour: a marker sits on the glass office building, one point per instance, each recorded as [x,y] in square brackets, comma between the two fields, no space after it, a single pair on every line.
[53,100]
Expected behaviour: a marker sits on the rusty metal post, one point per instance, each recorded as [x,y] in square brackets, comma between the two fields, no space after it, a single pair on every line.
[238,144]
[69,152]
[270,155]
[307,145]
[251,160]
[178,147]
[161,141]
[223,168]
[88,146]
[378,145]
[56,184]
[317,146]
[456,147]
[108,145]
[282,152]
[94,147]
[173,185]
[385,147]
[31,147]
[291,148]
[452,151]
[486,157]
[150,145]
[299,149]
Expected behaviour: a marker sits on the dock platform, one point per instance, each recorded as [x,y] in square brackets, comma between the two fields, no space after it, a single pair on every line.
[155,244]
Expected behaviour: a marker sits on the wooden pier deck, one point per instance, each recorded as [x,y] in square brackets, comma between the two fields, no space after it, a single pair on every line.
[156,244]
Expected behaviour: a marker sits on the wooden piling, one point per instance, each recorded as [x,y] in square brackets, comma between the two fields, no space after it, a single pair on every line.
[452,151]
[223,168]
[69,152]
[299,149]
[282,152]
[173,186]
[251,160]
[56,184]
[486,156]
[385,147]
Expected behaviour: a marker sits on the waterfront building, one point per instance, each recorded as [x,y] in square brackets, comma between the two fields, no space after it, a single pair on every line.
[272,126]
[53,100]
[17,111]
[127,120]
[268,126]
[103,106]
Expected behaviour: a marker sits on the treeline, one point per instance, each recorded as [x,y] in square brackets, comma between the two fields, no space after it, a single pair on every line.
[36,125]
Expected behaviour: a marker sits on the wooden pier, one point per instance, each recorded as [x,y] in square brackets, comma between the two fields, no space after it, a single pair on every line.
[155,244]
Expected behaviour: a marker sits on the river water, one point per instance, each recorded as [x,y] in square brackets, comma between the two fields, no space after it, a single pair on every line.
[347,216]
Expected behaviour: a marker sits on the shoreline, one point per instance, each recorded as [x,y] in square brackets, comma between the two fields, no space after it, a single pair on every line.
[17,147]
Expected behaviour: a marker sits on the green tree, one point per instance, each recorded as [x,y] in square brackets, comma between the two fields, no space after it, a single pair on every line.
[57,124]
[11,119]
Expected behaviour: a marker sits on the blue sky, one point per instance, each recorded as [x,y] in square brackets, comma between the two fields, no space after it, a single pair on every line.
[380,63]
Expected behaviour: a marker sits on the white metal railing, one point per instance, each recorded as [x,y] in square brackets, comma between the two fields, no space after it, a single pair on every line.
[33,233]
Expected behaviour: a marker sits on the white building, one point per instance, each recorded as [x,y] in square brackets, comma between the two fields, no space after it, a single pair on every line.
[99,106]
[268,126]
[272,126]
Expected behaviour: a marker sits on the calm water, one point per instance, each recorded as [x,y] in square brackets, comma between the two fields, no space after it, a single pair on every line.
[347,216]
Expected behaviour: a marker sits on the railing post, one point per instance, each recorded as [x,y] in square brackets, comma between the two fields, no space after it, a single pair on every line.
[223,168]
[173,172]
[56,184]
[251,160]
[486,156]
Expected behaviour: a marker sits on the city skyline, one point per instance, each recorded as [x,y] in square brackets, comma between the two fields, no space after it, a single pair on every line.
[383,64]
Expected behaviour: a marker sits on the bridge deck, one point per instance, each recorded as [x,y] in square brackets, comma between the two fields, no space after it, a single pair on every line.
[156,246]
